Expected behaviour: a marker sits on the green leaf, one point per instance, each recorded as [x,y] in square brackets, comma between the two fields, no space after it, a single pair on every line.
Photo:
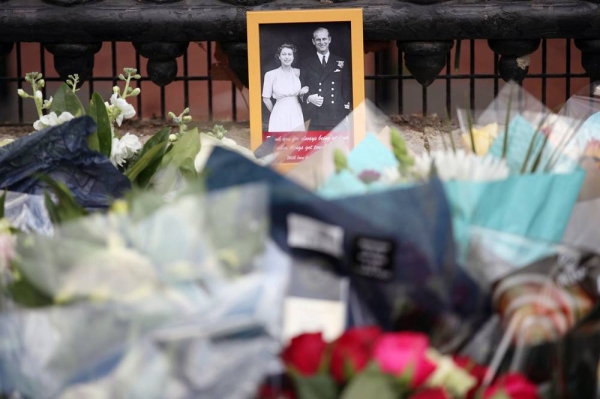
[101,139]
[159,137]
[370,384]
[26,294]
[65,100]
[144,168]
[2,201]
[66,207]
[320,386]
[187,146]
[188,169]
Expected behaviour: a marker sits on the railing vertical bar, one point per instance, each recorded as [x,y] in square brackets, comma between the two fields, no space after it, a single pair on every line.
[19,81]
[568,70]
[113,55]
[472,73]
[400,84]
[496,81]
[544,69]
[377,82]
[424,98]
[448,84]
[209,80]
[138,66]
[186,81]
[43,67]
[162,102]
[233,102]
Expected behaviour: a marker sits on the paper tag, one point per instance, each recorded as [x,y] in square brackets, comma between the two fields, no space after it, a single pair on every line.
[373,257]
[308,233]
[302,315]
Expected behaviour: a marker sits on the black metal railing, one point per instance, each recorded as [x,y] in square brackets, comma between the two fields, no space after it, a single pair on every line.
[400,77]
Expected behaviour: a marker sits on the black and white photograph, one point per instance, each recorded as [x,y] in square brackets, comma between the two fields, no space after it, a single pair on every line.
[306,76]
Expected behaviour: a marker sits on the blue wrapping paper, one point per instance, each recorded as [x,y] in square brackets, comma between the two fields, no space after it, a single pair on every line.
[61,152]
[416,220]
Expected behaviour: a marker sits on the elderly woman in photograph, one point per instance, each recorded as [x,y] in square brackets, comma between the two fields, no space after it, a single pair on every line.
[283,85]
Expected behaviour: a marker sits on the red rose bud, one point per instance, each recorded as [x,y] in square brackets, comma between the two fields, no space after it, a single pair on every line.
[351,352]
[476,370]
[431,393]
[305,353]
[512,386]
[403,355]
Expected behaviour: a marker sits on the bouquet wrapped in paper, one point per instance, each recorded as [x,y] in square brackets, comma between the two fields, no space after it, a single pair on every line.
[154,299]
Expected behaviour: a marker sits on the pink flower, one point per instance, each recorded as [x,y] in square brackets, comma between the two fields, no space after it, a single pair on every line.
[431,393]
[512,386]
[352,349]
[404,354]
[305,353]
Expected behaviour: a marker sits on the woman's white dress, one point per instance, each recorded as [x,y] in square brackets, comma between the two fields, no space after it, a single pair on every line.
[284,86]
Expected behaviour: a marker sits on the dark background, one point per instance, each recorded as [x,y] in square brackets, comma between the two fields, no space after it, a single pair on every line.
[299,34]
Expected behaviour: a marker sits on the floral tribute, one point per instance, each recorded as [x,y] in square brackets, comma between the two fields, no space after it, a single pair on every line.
[365,362]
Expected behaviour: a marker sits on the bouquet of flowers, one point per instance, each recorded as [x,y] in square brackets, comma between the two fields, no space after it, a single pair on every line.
[365,362]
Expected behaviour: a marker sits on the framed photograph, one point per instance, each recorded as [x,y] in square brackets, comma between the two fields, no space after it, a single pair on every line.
[306,73]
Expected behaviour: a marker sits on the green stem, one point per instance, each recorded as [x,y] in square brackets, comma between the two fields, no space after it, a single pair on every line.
[532,143]
[126,85]
[505,143]
[470,125]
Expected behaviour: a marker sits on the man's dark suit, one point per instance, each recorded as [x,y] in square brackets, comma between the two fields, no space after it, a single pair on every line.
[333,83]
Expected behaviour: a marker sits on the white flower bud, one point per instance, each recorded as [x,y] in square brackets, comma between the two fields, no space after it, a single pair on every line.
[186,111]
[116,89]
[172,137]
[41,83]
[38,95]
[172,115]
[121,76]
[136,92]
[22,93]
[187,118]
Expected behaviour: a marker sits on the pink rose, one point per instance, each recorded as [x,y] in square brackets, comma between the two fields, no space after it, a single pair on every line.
[353,349]
[305,353]
[403,354]
[431,393]
[513,386]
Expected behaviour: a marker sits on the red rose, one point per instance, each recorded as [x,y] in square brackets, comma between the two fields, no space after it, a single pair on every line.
[352,349]
[270,392]
[513,386]
[431,393]
[403,354]
[476,370]
[305,353]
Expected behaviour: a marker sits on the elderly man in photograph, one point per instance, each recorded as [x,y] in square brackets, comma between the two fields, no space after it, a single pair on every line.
[327,76]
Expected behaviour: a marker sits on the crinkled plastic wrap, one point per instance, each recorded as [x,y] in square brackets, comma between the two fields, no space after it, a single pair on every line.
[396,247]
[27,212]
[62,153]
[540,307]
[151,308]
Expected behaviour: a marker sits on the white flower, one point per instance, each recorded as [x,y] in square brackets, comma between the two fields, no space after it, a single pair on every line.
[52,120]
[449,375]
[461,166]
[207,143]
[126,110]
[124,148]
[390,175]
[38,95]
